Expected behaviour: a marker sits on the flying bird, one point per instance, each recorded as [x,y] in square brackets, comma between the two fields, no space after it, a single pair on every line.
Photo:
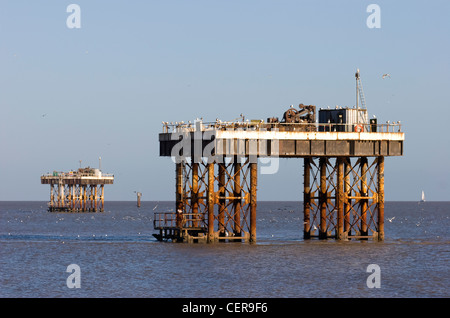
[391,219]
[386,75]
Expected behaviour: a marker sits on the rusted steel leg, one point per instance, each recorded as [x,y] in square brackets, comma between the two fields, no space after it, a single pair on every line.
[179,195]
[72,197]
[194,194]
[347,194]
[210,202]
[237,196]
[88,198]
[103,197]
[83,194]
[93,192]
[91,197]
[81,198]
[52,197]
[380,173]
[95,199]
[363,195]
[323,198]
[60,194]
[253,185]
[340,198]
[221,215]
[75,198]
[306,198]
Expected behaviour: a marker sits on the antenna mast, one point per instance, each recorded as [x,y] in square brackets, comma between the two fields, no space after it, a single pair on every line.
[359,91]
[360,99]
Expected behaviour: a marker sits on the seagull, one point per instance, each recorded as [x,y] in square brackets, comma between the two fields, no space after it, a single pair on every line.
[386,75]
[391,219]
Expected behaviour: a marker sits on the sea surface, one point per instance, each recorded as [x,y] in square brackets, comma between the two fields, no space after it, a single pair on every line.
[118,256]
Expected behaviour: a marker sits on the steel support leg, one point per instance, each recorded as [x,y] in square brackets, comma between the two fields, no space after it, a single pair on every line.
[253,185]
[103,197]
[363,194]
[340,198]
[380,173]
[237,196]
[210,202]
[222,200]
[347,200]
[179,195]
[323,198]
[194,193]
[306,198]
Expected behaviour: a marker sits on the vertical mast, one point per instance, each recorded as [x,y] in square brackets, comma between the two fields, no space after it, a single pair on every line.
[357,87]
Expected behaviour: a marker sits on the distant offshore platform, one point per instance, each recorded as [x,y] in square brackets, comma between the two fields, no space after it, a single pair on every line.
[77,191]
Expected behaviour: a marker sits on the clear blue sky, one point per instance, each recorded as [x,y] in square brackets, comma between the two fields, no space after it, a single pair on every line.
[105,88]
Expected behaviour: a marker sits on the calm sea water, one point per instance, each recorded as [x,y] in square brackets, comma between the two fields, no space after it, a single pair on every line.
[118,256]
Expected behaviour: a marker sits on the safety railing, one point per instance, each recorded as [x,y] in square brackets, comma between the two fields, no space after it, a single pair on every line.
[393,127]
[164,220]
[76,175]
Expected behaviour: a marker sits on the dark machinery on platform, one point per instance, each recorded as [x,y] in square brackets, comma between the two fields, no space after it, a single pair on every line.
[305,117]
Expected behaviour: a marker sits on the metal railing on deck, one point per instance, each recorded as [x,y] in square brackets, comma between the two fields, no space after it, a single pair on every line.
[263,126]
[76,175]
[164,220]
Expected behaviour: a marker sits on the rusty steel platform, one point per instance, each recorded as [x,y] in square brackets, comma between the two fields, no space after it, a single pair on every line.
[216,177]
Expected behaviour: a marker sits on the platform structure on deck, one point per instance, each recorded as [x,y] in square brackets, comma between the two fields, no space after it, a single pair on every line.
[77,191]
[216,168]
